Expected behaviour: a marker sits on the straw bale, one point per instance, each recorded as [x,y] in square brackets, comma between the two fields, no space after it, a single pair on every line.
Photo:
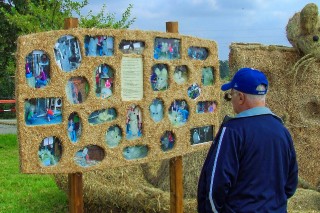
[31,136]
[296,101]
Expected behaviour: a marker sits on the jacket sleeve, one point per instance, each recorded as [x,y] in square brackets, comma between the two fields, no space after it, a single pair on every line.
[292,181]
[221,169]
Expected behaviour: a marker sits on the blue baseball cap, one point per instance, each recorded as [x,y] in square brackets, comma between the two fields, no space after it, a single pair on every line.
[247,80]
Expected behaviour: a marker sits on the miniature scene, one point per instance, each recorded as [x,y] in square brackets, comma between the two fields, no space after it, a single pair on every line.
[167,49]
[89,156]
[201,134]
[43,111]
[206,106]
[178,113]
[131,47]
[159,77]
[135,152]
[207,77]
[77,90]
[198,53]
[156,110]
[180,74]
[113,136]
[98,45]
[194,91]
[74,127]
[50,151]
[134,123]
[67,53]
[167,141]
[37,69]
[102,116]
[104,81]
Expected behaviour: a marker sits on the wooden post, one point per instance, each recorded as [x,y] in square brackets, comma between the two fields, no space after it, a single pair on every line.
[176,171]
[75,181]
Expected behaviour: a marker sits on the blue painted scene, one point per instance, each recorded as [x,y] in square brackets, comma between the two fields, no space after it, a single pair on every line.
[67,53]
[206,106]
[77,89]
[201,134]
[207,77]
[104,81]
[159,77]
[113,136]
[89,156]
[102,116]
[43,111]
[98,45]
[74,127]
[131,47]
[50,151]
[180,75]
[135,152]
[156,110]
[178,113]
[167,48]
[37,69]
[198,53]
[167,141]
[194,91]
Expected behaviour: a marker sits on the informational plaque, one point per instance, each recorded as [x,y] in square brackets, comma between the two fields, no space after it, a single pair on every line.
[131,78]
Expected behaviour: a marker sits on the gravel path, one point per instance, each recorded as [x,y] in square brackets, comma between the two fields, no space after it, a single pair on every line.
[8,126]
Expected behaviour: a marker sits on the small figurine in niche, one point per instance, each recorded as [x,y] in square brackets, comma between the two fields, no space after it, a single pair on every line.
[92,46]
[102,116]
[178,113]
[180,75]
[197,53]
[28,69]
[50,114]
[77,89]
[31,117]
[167,141]
[106,92]
[134,123]
[206,106]
[201,134]
[113,136]
[195,136]
[50,151]
[41,79]
[156,110]
[159,77]
[89,156]
[207,76]
[72,130]
[135,152]
[194,91]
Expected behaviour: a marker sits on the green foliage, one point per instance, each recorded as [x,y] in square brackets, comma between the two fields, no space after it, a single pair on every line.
[107,20]
[26,193]
[224,69]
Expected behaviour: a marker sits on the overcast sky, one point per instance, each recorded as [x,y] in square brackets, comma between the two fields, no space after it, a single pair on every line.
[224,21]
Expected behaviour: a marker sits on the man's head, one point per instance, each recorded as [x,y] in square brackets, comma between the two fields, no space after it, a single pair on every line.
[248,89]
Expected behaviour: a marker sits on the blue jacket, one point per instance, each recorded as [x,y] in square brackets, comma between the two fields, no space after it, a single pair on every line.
[250,167]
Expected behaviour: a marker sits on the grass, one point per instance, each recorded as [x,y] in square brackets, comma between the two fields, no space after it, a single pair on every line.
[24,193]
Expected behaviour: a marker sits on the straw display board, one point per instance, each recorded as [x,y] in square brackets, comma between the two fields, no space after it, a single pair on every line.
[91,99]
[293,96]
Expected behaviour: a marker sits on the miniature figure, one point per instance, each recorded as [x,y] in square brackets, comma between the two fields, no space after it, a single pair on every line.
[135,152]
[156,110]
[113,136]
[167,141]
[134,123]
[207,76]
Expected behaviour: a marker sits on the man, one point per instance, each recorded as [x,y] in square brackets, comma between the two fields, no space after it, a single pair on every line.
[251,166]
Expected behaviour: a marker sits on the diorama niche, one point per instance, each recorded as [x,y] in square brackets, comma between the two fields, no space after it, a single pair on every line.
[43,111]
[104,81]
[180,75]
[167,141]
[89,156]
[201,134]
[74,127]
[156,110]
[206,106]
[133,123]
[98,45]
[37,69]
[178,113]
[194,91]
[159,77]
[207,77]
[167,48]
[77,89]
[113,136]
[102,116]
[198,53]
[67,53]
[135,152]
[132,47]
[50,151]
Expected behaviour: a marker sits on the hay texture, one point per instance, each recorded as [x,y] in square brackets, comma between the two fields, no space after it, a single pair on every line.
[30,137]
[296,102]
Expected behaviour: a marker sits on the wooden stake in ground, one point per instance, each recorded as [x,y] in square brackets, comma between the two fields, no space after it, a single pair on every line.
[74,179]
[176,174]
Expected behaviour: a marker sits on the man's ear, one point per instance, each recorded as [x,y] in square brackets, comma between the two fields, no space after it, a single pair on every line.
[241,97]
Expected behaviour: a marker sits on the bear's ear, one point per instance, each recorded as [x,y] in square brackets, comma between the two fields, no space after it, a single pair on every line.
[159,107]
[152,108]
[157,71]
[164,72]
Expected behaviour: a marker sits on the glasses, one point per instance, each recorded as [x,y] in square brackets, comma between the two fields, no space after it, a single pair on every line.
[228,95]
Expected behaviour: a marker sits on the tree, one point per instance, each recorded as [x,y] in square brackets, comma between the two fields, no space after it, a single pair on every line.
[224,69]
[20,17]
